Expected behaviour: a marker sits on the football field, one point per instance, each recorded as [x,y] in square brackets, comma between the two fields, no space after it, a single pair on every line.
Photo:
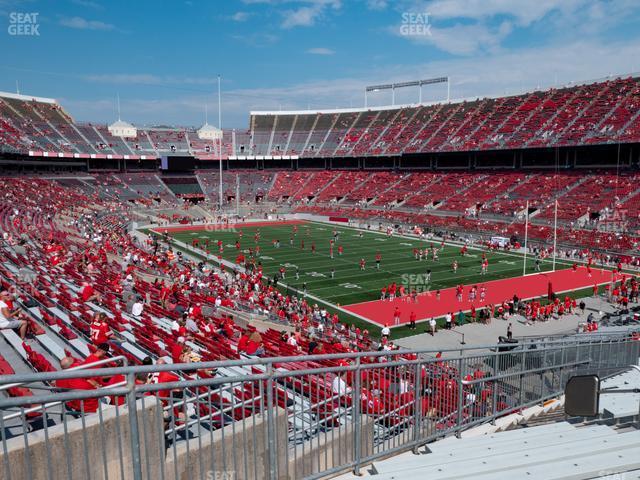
[341,283]
[350,284]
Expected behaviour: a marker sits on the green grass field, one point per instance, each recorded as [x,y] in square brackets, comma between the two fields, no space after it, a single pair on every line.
[350,284]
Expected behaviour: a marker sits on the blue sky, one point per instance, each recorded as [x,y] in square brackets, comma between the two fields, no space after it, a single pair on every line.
[163,57]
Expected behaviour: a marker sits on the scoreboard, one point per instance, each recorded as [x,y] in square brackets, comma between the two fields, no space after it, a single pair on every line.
[177,163]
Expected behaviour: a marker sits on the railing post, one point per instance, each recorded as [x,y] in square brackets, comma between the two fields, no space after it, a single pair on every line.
[523,368]
[136,461]
[357,420]
[543,373]
[417,409]
[460,398]
[271,431]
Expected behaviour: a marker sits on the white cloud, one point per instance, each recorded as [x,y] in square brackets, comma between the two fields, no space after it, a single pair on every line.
[84,24]
[463,39]
[240,16]
[320,51]
[465,27]
[505,72]
[377,4]
[302,17]
[524,13]
[308,14]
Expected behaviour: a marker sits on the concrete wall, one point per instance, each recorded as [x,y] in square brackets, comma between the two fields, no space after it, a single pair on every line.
[236,452]
[107,445]
[330,450]
[239,451]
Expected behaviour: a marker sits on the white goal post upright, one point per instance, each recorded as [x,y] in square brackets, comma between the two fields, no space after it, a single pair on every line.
[526,236]
[555,234]
[220,140]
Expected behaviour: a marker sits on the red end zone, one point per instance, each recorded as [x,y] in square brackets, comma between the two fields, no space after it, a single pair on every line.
[212,227]
[527,287]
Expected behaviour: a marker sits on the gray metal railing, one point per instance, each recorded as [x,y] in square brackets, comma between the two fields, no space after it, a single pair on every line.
[288,417]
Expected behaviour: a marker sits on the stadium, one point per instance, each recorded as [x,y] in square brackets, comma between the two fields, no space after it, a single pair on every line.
[440,284]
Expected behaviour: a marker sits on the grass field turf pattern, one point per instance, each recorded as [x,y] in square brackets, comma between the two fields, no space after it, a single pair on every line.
[352,285]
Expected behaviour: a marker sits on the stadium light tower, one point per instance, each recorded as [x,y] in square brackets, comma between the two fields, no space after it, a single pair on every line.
[394,86]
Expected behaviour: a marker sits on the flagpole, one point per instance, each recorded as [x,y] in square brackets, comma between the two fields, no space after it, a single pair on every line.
[526,236]
[555,234]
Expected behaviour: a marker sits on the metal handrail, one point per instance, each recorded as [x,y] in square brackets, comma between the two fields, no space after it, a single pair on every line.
[84,366]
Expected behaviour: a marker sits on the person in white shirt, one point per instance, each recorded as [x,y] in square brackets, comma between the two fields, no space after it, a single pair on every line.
[432,325]
[386,331]
[339,386]
[7,321]
[136,308]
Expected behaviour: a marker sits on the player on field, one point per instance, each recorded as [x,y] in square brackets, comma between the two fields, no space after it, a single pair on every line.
[454,266]
[340,250]
[378,259]
[392,291]
[362,264]
[396,316]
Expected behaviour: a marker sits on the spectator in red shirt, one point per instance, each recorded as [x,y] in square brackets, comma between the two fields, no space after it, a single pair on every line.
[89,405]
[88,294]
[99,329]
[255,345]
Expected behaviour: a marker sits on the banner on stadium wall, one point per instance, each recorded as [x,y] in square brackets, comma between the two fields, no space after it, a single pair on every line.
[339,219]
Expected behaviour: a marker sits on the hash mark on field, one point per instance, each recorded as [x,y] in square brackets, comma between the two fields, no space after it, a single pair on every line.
[407,244]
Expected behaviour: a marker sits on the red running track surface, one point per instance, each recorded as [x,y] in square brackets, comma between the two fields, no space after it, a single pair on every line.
[381,312]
